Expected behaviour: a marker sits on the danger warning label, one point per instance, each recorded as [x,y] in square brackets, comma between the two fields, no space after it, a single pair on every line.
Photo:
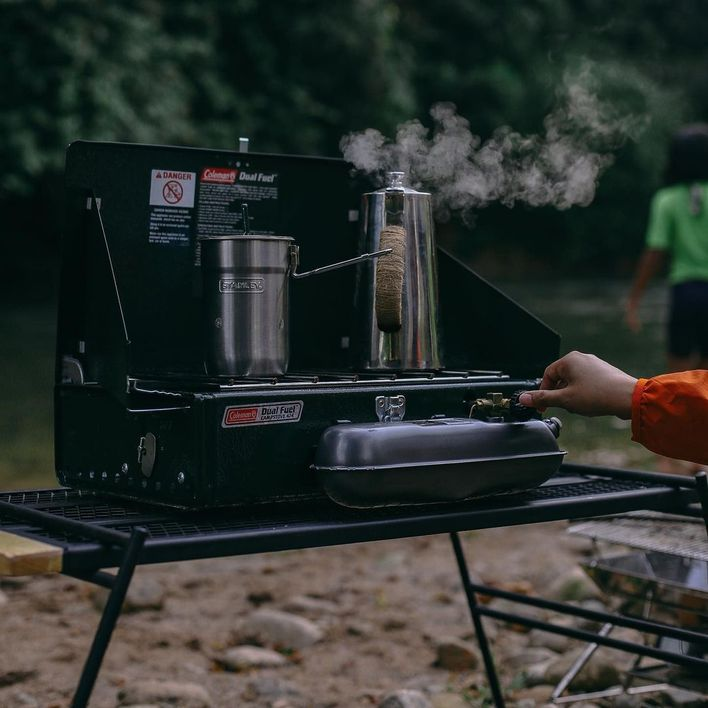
[172,204]
[171,188]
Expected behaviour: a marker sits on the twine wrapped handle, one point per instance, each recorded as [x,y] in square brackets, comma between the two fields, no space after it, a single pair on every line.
[389,279]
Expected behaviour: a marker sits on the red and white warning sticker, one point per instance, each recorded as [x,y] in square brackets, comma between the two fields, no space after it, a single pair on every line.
[172,188]
[262,414]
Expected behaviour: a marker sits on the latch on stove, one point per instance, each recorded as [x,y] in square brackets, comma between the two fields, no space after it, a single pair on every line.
[390,409]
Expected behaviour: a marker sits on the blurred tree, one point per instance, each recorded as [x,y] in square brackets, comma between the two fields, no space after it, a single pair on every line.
[293,76]
[296,75]
[306,71]
[503,63]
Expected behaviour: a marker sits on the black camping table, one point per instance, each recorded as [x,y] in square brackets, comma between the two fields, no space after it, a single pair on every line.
[81,534]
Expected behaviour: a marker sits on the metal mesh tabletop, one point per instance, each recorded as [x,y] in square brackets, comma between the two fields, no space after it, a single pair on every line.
[174,534]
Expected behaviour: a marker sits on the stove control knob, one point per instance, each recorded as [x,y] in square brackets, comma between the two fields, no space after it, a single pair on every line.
[147,453]
[519,412]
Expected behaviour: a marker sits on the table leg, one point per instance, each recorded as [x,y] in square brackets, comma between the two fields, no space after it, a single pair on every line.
[702,489]
[109,619]
[477,620]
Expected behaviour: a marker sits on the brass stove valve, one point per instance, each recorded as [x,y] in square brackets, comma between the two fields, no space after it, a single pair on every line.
[495,406]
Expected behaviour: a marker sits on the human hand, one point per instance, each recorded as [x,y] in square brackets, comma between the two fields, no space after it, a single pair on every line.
[582,383]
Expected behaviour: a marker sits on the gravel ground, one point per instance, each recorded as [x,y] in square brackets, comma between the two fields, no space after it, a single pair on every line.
[381,607]
[370,620]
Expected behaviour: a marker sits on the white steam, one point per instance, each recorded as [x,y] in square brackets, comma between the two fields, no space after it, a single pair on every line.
[559,167]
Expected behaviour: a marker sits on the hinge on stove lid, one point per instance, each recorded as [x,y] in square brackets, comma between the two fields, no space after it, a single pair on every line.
[390,409]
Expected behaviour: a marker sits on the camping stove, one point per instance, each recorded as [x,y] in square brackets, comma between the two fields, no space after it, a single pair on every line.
[136,413]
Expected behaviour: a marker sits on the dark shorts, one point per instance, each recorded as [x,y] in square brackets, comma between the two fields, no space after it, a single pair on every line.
[688,319]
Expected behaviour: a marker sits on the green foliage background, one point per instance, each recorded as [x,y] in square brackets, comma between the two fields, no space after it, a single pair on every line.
[296,75]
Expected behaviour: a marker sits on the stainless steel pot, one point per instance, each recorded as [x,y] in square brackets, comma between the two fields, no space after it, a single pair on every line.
[246,302]
[408,339]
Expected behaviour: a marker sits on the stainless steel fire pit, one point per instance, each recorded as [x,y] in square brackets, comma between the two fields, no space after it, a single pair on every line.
[665,580]
[677,587]
[667,576]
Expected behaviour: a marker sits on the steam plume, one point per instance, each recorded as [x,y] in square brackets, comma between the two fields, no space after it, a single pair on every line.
[559,167]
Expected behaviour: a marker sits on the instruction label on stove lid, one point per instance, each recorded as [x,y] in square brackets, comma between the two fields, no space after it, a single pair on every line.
[223,190]
[262,414]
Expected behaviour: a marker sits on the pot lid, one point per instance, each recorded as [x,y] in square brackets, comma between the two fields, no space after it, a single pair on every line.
[395,185]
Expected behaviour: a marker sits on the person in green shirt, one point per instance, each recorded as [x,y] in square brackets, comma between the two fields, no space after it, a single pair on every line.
[677,235]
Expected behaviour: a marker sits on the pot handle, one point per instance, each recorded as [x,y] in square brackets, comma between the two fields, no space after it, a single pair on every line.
[295,262]
[388,297]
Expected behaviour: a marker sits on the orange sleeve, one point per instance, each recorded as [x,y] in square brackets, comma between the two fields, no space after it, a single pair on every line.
[670,415]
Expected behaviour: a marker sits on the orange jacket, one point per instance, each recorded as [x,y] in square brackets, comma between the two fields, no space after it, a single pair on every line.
[670,415]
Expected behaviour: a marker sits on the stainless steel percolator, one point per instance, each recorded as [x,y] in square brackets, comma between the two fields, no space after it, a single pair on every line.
[398,318]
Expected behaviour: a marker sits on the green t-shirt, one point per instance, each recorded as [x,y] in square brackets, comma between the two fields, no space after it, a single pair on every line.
[673,228]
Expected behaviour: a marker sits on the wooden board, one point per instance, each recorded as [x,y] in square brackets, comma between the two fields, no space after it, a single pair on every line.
[25,556]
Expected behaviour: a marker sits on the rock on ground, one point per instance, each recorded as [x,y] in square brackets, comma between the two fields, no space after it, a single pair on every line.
[275,628]
[529,657]
[448,700]
[538,694]
[456,654]
[172,693]
[144,593]
[13,676]
[248,657]
[511,607]
[308,605]
[405,698]
[601,671]
[574,585]
[556,642]
[270,688]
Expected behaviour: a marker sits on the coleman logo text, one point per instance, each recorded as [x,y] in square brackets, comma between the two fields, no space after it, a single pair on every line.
[263,414]
[219,175]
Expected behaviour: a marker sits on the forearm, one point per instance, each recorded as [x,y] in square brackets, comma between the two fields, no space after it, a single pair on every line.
[670,415]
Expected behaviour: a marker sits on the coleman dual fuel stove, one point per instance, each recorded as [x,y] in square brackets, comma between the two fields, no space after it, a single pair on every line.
[198,365]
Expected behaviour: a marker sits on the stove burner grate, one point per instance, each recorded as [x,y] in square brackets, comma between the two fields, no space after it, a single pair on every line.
[177,383]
